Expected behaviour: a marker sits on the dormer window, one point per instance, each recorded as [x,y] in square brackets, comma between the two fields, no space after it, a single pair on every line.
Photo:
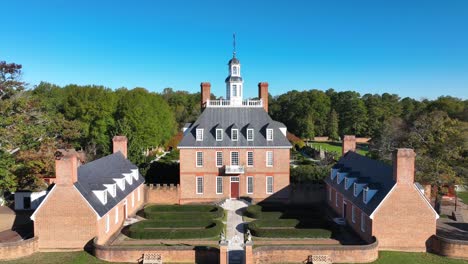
[101,195]
[346,183]
[269,134]
[135,174]
[234,134]
[128,177]
[121,183]
[355,190]
[250,134]
[112,189]
[364,196]
[199,134]
[219,134]
[234,70]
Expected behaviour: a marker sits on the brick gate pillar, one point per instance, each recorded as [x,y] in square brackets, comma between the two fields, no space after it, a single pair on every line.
[249,259]
[223,255]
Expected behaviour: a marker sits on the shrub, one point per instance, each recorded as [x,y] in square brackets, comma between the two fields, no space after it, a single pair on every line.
[172,224]
[181,208]
[185,212]
[259,231]
[141,232]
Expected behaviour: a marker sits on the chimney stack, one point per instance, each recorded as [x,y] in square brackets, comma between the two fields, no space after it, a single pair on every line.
[263,94]
[205,93]
[66,168]
[349,144]
[120,144]
[403,165]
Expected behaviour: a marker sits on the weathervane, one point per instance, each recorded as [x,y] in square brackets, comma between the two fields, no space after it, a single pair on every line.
[234,45]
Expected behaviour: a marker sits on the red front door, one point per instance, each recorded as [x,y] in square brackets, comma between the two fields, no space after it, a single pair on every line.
[235,187]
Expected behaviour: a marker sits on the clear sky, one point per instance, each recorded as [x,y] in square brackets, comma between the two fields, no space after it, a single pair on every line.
[416,48]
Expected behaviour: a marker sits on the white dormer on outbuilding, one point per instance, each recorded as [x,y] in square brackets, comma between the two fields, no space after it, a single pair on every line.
[101,195]
[128,178]
[111,189]
[135,174]
[120,182]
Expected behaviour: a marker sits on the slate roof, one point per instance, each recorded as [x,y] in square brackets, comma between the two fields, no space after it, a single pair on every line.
[375,173]
[93,176]
[227,117]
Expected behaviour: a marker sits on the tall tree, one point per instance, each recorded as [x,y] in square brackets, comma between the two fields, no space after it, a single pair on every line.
[333,125]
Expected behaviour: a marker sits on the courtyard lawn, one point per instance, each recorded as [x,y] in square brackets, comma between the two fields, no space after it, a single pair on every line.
[336,147]
[79,257]
[393,257]
[463,196]
[179,222]
[279,221]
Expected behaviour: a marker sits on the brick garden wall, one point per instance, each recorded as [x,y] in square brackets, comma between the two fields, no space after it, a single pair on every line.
[299,254]
[450,247]
[162,194]
[173,254]
[18,249]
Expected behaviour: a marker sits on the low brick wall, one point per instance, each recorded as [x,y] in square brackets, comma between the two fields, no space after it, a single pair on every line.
[299,254]
[18,249]
[172,254]
[162,194]
[450,247]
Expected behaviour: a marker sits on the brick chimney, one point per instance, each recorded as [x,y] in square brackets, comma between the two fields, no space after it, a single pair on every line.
[349,144]
[263,94]
[66,168]
[403,165]
[205,93]
[120,144]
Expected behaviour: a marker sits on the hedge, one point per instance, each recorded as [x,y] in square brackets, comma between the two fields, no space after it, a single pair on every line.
[288,232]
[181,208]
[213,212]
[172,224]
[276,212]
[291,223]
[212,230]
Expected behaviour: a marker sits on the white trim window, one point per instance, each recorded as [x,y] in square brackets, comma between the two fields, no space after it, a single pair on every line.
[107,223]
[250,183]
[199,184]
[269,158]
[199,159]
[353,213]
[355,189]
[364,196]
[250,158]
[269,134]
[133,199]
[234,158]
[139,193]
[219,185]
[336,198]
[199,134]
[363,222]
[234,134]
[219,159]
[250,134]
[219,134]
[116,214]
[269,184]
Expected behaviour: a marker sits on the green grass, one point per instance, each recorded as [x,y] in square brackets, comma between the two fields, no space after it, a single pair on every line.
[463,196]
[336,147]
[79,257]
[392,257]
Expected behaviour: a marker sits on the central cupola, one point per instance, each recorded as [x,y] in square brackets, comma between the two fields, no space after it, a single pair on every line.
[234,82]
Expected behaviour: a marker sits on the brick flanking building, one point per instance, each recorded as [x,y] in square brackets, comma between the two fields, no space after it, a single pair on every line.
[380,200]
[88,200]
[234,149]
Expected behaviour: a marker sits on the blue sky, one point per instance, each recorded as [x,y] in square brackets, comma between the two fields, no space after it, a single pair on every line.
[412,48]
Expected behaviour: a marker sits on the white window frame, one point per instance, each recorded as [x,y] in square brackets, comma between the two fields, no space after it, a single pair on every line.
[196,159]
[268,164]
[237,134]
[336,198]
[353,213]
[116,214]
[247,158]
[199,134]
[269,134]
[133,199]
[364,195]
[234,88]
[238,157]
[197,184]
[219,179]
[251,138]
[249,185]
[363,223]
[272,184]
[354,189]
[220,138]
[218,159]
[107,223]
[139,193]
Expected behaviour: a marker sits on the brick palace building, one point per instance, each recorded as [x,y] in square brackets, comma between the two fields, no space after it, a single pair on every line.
[381,201]
[234,149]
[88,200]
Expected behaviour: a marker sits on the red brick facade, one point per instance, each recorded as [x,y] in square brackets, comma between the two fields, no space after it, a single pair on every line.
[209,171]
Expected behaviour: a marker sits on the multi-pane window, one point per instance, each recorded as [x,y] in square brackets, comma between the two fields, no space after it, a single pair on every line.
[364,196]
[269,158]
[219,185]
[250,158]
[353,214]
[116,214]
[199,185]
[219,134]
[250,134]
[219,159]
[107,223]
[355,190]
[234,90]
[363,222]
[249,184]
[234,134]
[234,70]
[133,199]
[199,134]
[235,158]
[269,134]
[199,159]
[269,184]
